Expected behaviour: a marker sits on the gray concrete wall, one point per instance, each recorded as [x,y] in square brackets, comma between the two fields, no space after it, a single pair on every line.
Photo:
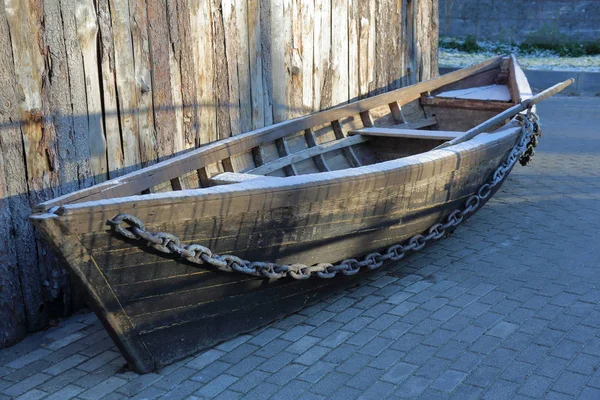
[512,20]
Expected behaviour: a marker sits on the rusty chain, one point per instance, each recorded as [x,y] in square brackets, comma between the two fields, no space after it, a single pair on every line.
[198,254]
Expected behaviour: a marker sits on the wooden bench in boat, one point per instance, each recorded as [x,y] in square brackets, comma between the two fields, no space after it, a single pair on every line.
[354,137]
[306,154]
[407,133]
[227,178]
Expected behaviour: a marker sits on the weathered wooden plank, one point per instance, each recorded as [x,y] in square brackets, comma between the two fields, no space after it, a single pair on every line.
[397,113]
[322,50]
[186,52]
[126,90]
[312,142]
[38,141]
[143,82]
[416,124]
[366,46]
[164,121]
[407,133]
[234,177]
[265,46]
[520,88]
[231,40]
[221,79]
[465,104]
[307,51]
[243,11]
[278,66]
[202,35]
[339,51]
[353,50]
[112,129]
[347,151]
[18,258]
[87,32]
[256,69]
[283,150]
[305,154]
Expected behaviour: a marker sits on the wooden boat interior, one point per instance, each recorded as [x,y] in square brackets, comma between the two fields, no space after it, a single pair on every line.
[395,124]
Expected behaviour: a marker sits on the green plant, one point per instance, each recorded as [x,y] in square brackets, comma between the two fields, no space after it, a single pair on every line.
[469,45]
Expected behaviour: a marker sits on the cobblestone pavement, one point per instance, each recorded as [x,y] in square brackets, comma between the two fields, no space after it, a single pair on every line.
[508,307]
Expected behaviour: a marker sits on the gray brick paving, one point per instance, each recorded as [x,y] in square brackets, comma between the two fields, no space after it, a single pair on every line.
[508,307]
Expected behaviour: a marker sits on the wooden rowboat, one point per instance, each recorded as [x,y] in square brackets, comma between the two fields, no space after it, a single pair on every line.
[338,184]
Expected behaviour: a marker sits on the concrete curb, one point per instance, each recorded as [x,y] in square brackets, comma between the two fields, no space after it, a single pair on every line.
[586,83]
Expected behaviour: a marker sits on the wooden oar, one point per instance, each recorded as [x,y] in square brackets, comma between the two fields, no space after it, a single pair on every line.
[509,113]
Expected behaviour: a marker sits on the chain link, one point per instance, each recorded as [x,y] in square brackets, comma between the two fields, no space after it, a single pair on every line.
[197,254]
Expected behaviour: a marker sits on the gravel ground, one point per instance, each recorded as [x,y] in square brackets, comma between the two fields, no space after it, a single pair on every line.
[541,60]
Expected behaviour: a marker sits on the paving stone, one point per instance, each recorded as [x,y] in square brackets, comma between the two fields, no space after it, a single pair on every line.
[266,336]
[330,382]
[277,362]
[345,393]
[216,386]
[340,353]
[570,383]
[138,384]
[467,361]
[27,371]
[65,364]
[26,384]
[378,390]
[312,355]
[467,392]
[98,361]
[398,372]
[502,329]
[382,322]
[395,330]
[291,390]
[483,376]
[517,371]
[485,344]
[470,334]
[362,337]
[181,391]
[501,390]
[432,368]
[249,381]
[448,381]
[28,358]
[335,339]
[303,344]
[566,349]
[175,378]
[364,379]
[103,388]
[535,386]
[66,393]
[316,371]
[354,364]
[589,393]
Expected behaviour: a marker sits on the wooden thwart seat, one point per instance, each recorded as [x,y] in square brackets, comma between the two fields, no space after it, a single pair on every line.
[407,133]
[305,154]
[227,178]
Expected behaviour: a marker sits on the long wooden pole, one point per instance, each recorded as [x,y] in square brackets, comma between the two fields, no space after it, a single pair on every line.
[509,113]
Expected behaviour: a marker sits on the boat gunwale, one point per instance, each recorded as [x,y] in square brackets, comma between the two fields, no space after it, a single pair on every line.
[256,137]
[313,180]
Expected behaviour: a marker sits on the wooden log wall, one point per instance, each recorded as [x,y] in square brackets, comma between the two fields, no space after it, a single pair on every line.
[93,89]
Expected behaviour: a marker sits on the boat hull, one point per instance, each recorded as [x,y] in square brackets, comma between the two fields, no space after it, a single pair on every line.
[159,309]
